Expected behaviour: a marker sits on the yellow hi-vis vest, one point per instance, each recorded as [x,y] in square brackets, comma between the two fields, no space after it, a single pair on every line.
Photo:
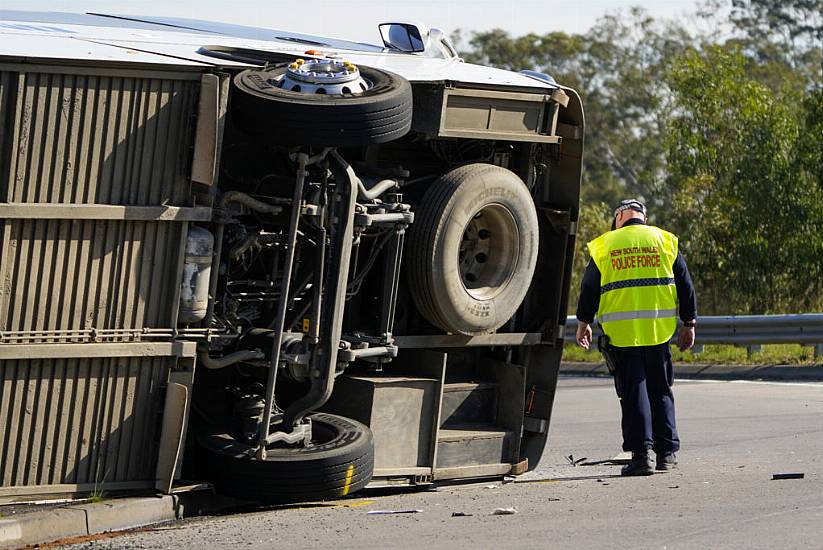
[638,299]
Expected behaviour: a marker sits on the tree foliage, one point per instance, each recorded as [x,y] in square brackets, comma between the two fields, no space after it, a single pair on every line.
[745,207]
[782,39]
[783,20]
[720,131]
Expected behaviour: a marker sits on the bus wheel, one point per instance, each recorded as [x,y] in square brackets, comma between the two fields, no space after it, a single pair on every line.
[322,102]
[339,462]
[473,249]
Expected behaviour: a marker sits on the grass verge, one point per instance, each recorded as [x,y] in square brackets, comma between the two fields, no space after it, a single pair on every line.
[770,354]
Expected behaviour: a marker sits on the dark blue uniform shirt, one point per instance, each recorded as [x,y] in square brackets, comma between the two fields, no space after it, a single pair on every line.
[590,289]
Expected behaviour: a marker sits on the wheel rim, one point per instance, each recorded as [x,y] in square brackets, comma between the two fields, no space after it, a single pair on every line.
[489,251]
[322,435]
[323,76]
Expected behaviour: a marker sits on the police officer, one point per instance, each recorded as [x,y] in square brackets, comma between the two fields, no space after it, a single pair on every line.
[636,283]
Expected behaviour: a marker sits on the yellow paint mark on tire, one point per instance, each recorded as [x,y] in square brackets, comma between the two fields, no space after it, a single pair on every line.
[349,475]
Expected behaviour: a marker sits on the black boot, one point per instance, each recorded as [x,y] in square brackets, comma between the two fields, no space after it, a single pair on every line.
[640,465]
[666,461]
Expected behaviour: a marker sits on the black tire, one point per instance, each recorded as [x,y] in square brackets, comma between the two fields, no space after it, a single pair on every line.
[341,464]
[380,114]
[465,277]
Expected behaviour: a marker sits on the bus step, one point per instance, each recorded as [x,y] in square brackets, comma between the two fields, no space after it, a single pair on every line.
[467,444]
[468,402]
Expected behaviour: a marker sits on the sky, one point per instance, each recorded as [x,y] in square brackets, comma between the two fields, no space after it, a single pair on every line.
[358,19]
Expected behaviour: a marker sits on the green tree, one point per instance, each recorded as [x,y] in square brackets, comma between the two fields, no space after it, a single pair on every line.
[810,169]
[779,20]
[782,39]
[746,206]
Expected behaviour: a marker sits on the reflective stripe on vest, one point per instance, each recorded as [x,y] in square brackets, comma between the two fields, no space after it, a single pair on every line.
[638,298]
[628,315]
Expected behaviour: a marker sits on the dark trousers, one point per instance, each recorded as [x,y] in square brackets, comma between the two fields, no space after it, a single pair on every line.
[644,380]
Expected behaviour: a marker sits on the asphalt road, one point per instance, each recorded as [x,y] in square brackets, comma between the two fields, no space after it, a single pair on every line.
[735,436]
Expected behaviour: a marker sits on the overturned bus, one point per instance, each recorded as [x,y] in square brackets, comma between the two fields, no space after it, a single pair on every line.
[286,265]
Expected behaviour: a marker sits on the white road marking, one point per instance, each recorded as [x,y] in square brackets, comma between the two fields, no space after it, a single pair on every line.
[760,382]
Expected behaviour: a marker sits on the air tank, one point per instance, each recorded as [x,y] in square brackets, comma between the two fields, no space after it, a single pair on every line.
[194,289]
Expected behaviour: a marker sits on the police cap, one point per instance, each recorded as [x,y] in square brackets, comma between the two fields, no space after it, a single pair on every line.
[631,204]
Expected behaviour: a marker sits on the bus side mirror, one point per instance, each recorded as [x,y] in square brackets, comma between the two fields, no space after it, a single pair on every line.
[404,37]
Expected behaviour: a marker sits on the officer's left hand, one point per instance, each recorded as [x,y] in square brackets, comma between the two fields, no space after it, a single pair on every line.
[685,340]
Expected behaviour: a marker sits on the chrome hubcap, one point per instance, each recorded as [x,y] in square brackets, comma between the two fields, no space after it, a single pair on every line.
[489,251]
[323,76]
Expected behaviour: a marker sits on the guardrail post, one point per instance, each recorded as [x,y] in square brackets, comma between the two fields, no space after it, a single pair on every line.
[817,349]
[697,349]
[752,349]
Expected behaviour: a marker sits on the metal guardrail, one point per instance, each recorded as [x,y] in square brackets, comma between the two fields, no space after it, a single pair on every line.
[749,331]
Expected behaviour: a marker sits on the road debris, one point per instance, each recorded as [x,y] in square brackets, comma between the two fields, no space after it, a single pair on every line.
[390,512]
[621,458]
[504,511]
[461,515]
[789,476]
[575,462]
